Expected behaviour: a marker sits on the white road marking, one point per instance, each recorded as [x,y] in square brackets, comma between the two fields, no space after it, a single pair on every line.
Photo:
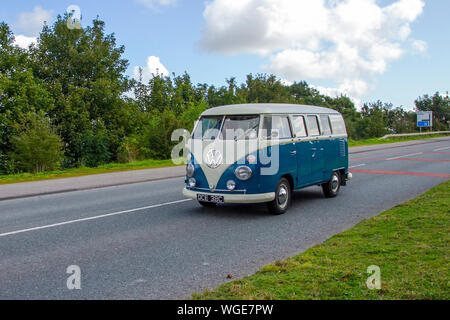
[445,148]
[92,218]
[406,155]
[358,165]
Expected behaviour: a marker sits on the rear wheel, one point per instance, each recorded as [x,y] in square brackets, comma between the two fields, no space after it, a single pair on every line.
[332,187]
[282,199]
[207,204]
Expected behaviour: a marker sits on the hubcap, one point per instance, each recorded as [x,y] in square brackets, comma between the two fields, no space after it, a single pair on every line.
[282,196]
[334,183]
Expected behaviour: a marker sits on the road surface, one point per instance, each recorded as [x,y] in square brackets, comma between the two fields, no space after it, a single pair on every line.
[144,241]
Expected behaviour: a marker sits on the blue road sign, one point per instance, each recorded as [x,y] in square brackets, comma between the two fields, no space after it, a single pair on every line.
[423,123]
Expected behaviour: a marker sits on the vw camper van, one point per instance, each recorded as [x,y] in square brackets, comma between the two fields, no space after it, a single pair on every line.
[261,153]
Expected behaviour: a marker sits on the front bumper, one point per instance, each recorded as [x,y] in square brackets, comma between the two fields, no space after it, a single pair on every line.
[234,198]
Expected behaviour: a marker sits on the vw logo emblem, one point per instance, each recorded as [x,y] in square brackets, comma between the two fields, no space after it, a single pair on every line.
[213,158]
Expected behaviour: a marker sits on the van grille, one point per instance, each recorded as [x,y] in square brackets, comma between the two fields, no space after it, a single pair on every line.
[342,147]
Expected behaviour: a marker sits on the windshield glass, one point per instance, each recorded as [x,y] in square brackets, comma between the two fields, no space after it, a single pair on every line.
[240,127]
[208,128]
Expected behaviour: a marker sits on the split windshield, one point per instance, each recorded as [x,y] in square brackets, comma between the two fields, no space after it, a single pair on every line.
[240,128]
[234,127]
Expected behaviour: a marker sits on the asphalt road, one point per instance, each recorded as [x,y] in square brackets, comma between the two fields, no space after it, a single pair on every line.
[144,241]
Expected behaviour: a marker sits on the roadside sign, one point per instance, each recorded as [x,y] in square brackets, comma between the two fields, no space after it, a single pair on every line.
[424,119]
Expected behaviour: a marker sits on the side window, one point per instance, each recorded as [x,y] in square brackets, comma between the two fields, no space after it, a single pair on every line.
[273,124]
[313,126]
[325,125]
[299,126]
[338,124]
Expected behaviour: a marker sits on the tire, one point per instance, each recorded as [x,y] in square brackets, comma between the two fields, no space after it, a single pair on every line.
[332,187]
[207,204]
[283,196]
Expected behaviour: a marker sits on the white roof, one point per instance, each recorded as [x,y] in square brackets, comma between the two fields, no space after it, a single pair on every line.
[260,108]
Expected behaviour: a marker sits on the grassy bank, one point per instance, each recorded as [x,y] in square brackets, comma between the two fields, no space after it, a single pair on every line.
[371,141]
[114,167]
[410,243]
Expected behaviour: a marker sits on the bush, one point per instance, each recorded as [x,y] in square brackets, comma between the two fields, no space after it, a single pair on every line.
[129,150]
[95,146]
[37,148]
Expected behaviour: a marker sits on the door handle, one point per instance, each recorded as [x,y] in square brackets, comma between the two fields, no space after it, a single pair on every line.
[293,152]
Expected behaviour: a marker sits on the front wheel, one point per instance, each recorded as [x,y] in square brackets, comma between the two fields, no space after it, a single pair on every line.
[331,188]
[282,199]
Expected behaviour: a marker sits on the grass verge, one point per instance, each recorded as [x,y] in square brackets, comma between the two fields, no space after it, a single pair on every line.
[372,141]
[410,244]
[83,171]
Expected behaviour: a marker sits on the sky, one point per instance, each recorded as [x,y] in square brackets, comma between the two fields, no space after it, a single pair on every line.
[389,50]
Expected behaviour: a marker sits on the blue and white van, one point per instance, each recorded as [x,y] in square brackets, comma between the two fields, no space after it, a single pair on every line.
[261,153]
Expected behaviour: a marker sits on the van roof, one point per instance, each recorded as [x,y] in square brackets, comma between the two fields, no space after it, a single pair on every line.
[263,108]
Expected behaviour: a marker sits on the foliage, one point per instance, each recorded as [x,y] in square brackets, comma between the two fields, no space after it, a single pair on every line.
[440,106]
[94,146]
[37,148]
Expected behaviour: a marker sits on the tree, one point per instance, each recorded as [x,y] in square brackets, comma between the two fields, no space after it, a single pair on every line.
[440,106]
[84,72]
[373,122]
[20,93]
[37,148]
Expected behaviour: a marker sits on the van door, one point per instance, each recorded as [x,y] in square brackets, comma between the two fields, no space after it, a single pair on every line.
[303,149]
[327,147]
[317,149]
[278,126]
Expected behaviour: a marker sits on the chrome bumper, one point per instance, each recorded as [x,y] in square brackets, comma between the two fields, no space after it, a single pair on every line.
[234,198]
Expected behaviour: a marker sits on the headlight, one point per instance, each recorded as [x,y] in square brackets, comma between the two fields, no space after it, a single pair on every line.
[190,170]
[192,182]
[243,173]
[231,185]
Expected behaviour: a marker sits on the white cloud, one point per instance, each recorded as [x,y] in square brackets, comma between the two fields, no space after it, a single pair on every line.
[153,68]
[354,89]
[419,45]
[152,4]
[24,41]
[346,41]
[31,23]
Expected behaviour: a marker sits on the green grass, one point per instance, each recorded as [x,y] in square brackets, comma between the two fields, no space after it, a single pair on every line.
[83,171]
[410,244]
[371,141]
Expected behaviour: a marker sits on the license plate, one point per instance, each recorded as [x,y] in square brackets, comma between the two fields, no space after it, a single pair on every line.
[210,198]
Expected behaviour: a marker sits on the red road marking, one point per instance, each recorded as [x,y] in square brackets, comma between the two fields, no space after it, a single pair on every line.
[402,159]
[402,173]
[421,151]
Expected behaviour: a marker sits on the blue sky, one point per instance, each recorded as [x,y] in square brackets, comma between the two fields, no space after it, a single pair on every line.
[393,50]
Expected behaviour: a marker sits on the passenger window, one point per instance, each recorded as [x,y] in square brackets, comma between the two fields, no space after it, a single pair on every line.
[325,125]
[313,126]
[276,127]
[338,124]
[299,126]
